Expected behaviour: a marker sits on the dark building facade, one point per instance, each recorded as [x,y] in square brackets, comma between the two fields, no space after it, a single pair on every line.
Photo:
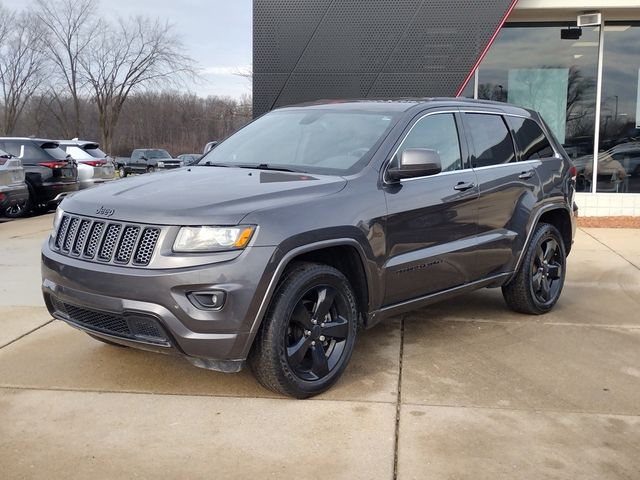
[307,50]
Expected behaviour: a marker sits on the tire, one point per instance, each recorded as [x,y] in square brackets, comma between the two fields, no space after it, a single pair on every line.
[151,169]
[103,340]
[294,352]
[538,283]
[22,209]
[122,172]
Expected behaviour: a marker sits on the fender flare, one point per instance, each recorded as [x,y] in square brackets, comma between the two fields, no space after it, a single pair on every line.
[289,256]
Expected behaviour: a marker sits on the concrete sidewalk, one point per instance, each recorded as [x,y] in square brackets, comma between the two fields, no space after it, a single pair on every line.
[464,389]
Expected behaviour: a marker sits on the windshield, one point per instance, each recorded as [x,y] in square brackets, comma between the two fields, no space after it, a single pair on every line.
[157,154]
[329,141]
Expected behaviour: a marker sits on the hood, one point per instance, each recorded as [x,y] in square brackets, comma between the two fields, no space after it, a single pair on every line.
[199,195]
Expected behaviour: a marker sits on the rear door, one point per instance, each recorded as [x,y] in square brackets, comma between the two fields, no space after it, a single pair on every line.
[432,221]
[509,190]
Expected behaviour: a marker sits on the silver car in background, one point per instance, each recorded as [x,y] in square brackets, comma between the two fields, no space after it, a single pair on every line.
[94,165]
[14,192]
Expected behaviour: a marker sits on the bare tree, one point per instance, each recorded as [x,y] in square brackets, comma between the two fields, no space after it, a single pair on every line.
[21,65]
[69,26]
[135,54]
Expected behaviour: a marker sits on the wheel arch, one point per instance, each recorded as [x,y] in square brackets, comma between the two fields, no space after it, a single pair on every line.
[345,254]
[555,214]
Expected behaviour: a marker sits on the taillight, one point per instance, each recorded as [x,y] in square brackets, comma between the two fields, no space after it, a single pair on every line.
[95,163]
[53,165]
[3,161]
[573,171]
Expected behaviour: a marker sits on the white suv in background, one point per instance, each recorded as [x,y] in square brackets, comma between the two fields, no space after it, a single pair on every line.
[94,166]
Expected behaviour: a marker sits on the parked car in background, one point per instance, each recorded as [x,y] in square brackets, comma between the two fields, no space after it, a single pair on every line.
[617,167]
[50,173]
[190,158]
[94,166]
[310,223]
[13,189]
[209,146]
[146,160]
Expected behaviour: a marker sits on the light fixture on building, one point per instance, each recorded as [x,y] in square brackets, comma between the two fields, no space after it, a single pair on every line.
[590,19]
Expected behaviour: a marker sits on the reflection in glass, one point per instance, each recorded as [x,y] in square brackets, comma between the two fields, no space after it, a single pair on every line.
[619,157]
[533,67]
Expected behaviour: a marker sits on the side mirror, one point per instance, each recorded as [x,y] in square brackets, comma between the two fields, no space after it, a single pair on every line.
[143,157]
[416,162]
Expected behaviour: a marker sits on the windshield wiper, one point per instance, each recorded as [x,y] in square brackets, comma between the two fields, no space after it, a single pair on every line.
[210,164]
[266,166]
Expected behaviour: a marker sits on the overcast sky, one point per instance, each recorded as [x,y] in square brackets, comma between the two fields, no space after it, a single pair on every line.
[216,33]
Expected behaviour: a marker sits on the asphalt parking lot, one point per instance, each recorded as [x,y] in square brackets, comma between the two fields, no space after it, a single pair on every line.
[464,389]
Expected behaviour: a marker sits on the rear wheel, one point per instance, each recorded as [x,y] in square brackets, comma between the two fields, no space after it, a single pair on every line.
[22,209]
[307,336]
[538,284]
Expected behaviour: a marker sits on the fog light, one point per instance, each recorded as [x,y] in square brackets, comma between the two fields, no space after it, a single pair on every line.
[208,300]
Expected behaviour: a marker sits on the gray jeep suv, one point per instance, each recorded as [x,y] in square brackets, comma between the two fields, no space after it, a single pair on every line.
[311,222]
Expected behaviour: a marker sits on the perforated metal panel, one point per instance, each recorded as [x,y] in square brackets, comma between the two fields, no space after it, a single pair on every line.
[319,49]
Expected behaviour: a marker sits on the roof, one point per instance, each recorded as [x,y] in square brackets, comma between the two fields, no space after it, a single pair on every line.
[405,104]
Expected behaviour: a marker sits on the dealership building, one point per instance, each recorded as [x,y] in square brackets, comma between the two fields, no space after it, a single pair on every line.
[584,80]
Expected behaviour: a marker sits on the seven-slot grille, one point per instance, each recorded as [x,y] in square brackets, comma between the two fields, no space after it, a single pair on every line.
[104,241]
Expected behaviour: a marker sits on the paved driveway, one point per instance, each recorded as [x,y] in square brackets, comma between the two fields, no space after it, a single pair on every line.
[464,389]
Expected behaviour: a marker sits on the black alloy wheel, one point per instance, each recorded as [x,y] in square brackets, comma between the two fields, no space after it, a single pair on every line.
[317,334]
[537,285]
[546,270]
[22,209]
[307,335]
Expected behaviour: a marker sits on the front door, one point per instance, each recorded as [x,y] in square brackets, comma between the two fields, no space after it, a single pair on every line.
[431,223]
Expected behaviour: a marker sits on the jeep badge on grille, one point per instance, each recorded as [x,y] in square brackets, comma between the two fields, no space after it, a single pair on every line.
[107,212]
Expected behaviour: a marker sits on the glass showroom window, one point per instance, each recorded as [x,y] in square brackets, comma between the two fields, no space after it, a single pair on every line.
[619,157]
[532,66]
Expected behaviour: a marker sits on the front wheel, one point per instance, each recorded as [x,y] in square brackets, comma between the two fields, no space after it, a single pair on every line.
[538,283]
[307,336]
[151,169]
[122,172]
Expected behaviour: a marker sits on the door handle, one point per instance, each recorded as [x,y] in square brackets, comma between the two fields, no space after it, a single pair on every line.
[462,186]
[526,175]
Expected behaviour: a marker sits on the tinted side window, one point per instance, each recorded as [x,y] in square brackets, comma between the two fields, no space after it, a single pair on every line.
[531,140]
[436,132]
[490,138]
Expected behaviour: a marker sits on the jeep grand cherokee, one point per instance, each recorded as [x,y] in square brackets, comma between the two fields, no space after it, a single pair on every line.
[311,222]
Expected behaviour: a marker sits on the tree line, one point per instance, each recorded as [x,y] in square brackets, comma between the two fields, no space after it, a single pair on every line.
[65,72]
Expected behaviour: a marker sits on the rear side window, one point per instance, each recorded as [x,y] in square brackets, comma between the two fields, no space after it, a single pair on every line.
[491,140]
[531,140]
[436,132]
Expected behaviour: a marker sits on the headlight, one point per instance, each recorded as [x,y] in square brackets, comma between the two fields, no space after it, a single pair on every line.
[57,218]
[160,164]
[208,239]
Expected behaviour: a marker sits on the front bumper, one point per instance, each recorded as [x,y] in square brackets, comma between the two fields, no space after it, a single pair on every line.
[13,195]
[149,309]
